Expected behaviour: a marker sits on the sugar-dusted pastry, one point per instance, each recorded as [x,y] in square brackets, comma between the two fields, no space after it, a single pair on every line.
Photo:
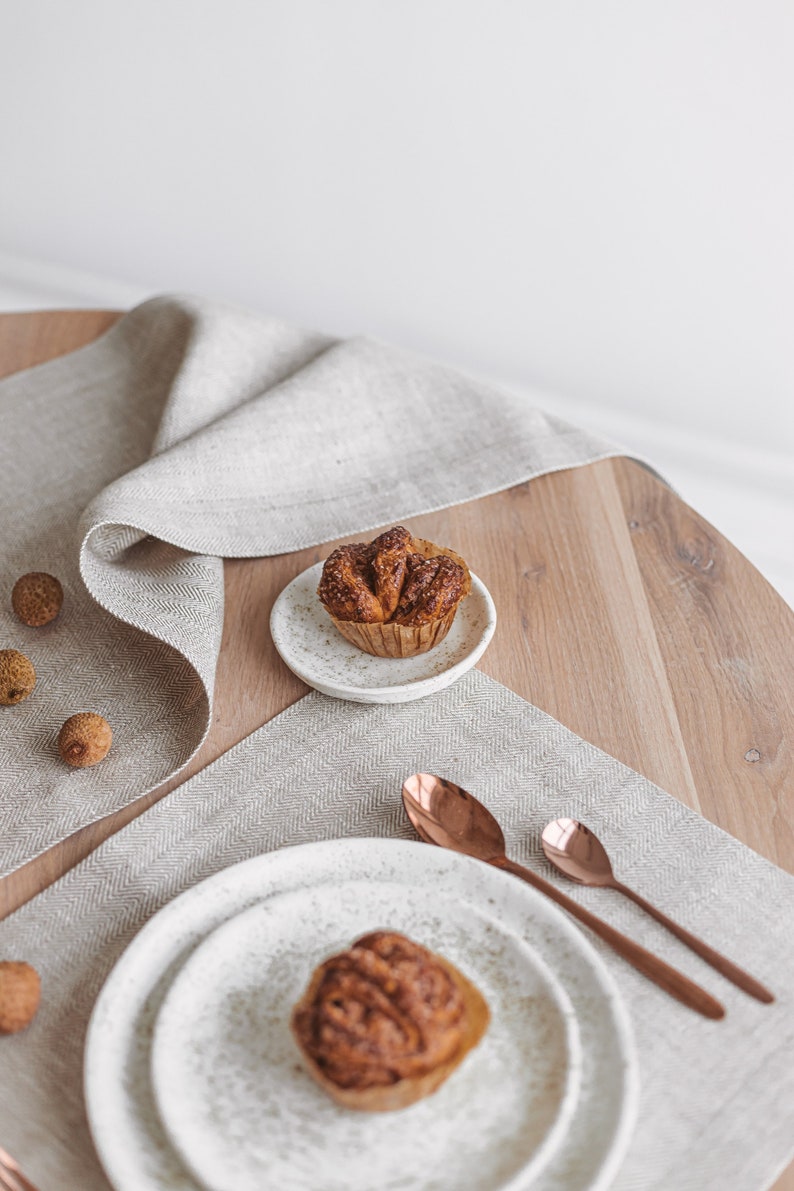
[389,558]
[432,588]
[346,585]
[395,596]
[386,1022]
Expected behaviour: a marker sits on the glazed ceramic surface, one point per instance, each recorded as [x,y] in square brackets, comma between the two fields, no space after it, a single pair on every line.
[584,1086]
[308,643]
[245,1115]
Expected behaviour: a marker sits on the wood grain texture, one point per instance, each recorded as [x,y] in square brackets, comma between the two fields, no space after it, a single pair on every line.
[621,612]
[28,339]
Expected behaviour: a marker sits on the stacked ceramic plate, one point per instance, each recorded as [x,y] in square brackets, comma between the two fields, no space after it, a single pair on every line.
[193,1079]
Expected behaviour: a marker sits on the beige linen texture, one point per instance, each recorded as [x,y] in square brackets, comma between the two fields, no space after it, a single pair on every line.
[191,432]
[716,1097]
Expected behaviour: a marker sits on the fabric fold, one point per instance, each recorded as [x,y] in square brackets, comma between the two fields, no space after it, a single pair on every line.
[192,432]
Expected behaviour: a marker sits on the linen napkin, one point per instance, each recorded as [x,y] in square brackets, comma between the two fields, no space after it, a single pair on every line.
[193,431]
[715,1106]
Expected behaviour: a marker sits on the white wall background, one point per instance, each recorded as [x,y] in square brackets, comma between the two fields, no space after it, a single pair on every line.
[593,196]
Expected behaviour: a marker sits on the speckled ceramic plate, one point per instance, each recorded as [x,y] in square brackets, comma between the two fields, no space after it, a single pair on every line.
[308,643]
[129,1134]
[244,1113]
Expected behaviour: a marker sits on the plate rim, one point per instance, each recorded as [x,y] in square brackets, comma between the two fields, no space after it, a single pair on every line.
[167,920]
[374,694]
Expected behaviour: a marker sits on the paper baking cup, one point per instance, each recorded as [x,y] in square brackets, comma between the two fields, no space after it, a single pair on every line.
[403,640]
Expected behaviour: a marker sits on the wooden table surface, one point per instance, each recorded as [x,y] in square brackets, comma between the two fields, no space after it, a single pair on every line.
[621,612]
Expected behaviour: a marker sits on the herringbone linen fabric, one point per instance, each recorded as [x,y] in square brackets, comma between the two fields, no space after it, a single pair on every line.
[191,432]
[716,1097]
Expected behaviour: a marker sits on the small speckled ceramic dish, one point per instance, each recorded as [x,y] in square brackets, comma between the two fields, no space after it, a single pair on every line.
[243,1112]
[308,643]
[584,1154]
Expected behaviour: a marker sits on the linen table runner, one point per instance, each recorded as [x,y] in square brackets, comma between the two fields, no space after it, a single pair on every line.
[716,1097]
[190,432]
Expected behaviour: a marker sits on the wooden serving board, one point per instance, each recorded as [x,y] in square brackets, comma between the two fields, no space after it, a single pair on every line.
[621,612]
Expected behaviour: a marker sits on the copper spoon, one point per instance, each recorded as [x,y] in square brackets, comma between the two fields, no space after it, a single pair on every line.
[574,850]
[447,815]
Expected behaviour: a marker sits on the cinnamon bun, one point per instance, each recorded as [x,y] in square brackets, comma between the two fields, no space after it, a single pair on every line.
[395,596]
[386,1022]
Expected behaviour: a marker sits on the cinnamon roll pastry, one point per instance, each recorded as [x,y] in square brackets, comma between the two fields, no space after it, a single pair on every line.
[390,553]
[395,596]
[431,590]
[345,585]
[385,1023]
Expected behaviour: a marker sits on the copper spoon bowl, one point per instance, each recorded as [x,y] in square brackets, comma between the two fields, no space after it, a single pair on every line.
[574,850]
[447,815]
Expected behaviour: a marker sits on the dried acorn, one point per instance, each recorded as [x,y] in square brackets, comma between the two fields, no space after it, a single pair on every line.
[20,993]
[17,677]
[84,739]
[37,598]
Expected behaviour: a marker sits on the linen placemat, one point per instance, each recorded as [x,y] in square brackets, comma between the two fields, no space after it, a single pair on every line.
[716,1097]
[189,432]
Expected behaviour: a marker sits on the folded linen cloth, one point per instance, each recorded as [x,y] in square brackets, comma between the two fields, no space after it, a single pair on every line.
[191,432]
[715,1097]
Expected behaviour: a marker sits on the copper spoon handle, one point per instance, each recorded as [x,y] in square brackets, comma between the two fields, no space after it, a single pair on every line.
[728,969]
[7,1180]
[672,981]
[11,1177]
